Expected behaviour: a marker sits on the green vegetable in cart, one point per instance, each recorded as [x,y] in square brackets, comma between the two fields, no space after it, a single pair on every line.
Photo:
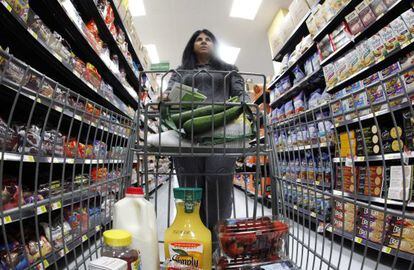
[205,123]
[202,111]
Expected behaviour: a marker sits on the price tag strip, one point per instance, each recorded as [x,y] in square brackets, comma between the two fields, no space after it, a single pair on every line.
[41,209]
[56,205]
[84,238]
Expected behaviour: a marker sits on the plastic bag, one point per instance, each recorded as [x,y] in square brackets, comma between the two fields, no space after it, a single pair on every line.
[298,73]
[298,103]
[289,110]
[314,97]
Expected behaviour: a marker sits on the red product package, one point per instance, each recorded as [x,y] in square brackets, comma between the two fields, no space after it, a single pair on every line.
[74,149]
[99,173]
[92,76]
[93,28]
[109,16]
[11,194]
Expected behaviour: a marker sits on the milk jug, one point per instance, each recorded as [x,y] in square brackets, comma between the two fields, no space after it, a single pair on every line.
[136,215]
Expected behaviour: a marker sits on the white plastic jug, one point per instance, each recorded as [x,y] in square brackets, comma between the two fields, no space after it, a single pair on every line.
[137,215]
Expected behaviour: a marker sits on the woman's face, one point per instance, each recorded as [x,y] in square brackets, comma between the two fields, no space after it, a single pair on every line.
[203,45]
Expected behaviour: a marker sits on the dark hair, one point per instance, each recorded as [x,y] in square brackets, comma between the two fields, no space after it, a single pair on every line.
[189,59]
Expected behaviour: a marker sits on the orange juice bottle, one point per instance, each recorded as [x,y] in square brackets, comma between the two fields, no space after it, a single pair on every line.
[187,241]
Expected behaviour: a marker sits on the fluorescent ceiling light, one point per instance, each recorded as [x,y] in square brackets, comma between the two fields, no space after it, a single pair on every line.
[229,54]
[137,8]
[246,9]
[153,53]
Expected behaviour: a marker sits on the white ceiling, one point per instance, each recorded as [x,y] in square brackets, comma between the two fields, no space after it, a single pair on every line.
[169,24]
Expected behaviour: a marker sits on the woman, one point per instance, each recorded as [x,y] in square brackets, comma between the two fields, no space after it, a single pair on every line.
[214,174]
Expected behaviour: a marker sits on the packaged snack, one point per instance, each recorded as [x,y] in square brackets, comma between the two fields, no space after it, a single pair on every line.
[308,66]
[289,110]
[8,136]
[324,47]
[408,18]
[54,233]
[327,11]
[330,74]
[354,22]
[377,44]
[298,74]
[314,97]
[354,62]
[92,76]
[390,38]
[403,34]
[366,57]
[319,19]
[407,60]
[365,13]
[285,83]
[310,23]
[298,103]
[377,6]
[392,69]
[99,149]
[279,89]
[408,78]
[315,62]
[36,249]
[375,94]
[389,3]
[393,87]
[394,242]
[340,36]
[342,67]
[371,79]
[52,143]
[280,113]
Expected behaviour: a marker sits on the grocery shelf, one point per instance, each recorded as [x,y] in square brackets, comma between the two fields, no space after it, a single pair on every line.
[54,203]
[91,10]
[305,54]
[121,25]
[306,147]
[28,37]
[315,216]
[65,109]
[372,199]
[392,156]
[392,12]
[307,185]
[404,104]
[365,72]
[334,22]
[319,108]
[54,256]
[300,31]
[337,53]
[294,89]
[370,244]
[76,38]
[56,160]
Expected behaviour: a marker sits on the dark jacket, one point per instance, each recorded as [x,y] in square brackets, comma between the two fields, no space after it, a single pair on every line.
[212,84]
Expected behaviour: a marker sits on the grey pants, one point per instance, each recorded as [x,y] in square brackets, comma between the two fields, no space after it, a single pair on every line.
[215,176]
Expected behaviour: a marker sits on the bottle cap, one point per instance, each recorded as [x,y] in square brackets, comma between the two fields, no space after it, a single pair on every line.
[135,191]
[117,238]
[185,194]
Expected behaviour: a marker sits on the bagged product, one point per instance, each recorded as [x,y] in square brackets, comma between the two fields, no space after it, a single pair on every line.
[314,97]
[298,73]
[315,62]
[365,13]
[310,23]
[280,113]
[391,69]
[285,83]
[408,18]
[324,47]
[308,66]
[354,22]
[403,34]
[298,103]
[289,110]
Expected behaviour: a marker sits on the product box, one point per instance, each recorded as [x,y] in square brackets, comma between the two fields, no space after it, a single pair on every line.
[377,6]
[354,22]
[377,44]
[390,38]
[365,13]
[274,33]
[401,30]
[408,18]
[396,184]
[298,9]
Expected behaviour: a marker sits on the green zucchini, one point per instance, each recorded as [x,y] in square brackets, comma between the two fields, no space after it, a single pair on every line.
[204,123]
[202,111]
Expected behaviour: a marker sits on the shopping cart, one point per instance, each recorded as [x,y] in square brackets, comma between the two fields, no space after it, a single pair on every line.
[249,177]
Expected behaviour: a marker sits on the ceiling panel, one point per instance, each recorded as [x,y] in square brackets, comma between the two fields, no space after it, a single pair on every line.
[170,23]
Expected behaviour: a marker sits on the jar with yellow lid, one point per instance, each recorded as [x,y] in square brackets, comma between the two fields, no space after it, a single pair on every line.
[116,245]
